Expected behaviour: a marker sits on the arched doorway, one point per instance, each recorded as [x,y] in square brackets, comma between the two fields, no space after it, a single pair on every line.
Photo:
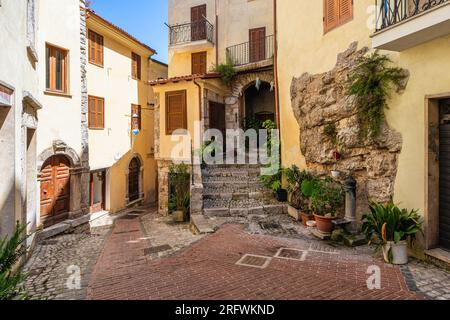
[134,173]
[258,104]
[55,190]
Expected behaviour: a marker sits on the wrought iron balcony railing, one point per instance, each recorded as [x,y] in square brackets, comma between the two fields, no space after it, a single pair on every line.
[252,51]
[190,32]
[392,12]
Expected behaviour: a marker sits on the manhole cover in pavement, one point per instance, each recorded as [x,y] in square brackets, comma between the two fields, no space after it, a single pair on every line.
[254,261]
[292,254]
[153,250]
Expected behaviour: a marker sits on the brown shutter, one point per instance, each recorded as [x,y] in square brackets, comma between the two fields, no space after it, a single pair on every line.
[100,113]
[331,14]
[176,116]
[135,66]
[198,24]
[345,10]
[138,64]
[199,63]
[92,113]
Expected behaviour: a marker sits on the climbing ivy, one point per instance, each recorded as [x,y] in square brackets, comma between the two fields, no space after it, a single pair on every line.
[371,83]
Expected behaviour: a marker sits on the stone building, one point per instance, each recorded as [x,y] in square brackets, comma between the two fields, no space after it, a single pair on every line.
[408,161]
[204,34]
[19,104]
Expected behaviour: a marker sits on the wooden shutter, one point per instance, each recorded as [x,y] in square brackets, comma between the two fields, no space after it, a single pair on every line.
[199,63]
[96,113]
[135,66]
[136,123]
[337,12]
[257,44]
[198,24]
[176,115]
[345,11]
[52,77]
[96,50]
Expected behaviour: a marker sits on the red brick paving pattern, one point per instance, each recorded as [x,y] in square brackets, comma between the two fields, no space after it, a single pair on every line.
[207,270]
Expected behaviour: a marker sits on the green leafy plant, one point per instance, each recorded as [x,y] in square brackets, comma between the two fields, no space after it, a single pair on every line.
[270,125]
[295,177]
[326,196]
[370,83]
[179,178]
[226,71]
[11,250]
[330,131]
[252,123]
[273,182]
[387,222]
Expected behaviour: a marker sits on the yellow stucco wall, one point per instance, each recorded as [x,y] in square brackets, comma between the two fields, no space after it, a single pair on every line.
[115,146]
[192,106]
[313,52]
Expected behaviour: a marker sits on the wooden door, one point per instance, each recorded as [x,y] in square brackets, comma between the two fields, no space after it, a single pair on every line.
[97,204]
[257,44]
[198,23]
[217,117]
[133,179]
[444,175]
[55,190]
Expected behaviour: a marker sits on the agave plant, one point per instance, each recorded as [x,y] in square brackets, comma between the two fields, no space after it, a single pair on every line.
[387,222]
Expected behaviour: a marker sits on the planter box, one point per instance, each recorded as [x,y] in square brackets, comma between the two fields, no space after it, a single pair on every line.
[178,216]
[397,251]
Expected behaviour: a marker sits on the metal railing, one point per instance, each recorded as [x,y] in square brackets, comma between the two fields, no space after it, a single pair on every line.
[392,12]
[189,32]
[252,51]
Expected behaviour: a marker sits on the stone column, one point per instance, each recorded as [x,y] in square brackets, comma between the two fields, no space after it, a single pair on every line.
[163,188]
[350,204]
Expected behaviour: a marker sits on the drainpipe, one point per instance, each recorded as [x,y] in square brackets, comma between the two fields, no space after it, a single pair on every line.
[217,33]
[275,65]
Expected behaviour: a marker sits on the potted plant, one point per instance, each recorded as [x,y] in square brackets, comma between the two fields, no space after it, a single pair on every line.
[273,182]
[179,199]
[298,203]
[389,227]
[327,199]
[307,188]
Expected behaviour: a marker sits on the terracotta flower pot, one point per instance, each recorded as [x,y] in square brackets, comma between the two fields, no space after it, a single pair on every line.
[324,224]
[306,217]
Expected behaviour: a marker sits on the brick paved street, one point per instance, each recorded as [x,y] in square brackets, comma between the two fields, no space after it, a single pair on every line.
[207,269]
[146,256]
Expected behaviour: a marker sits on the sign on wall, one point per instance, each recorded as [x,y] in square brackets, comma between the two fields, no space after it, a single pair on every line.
[5,96]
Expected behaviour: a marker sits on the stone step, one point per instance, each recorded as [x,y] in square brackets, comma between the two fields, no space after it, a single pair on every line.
[254,173]
[242,208]
[232,166]
[212,194]
[202,225]
[230,179]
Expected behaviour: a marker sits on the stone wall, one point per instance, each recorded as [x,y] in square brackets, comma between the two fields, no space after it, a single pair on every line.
[318,100]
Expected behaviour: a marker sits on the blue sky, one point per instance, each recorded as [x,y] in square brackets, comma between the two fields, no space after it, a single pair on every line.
[144,19]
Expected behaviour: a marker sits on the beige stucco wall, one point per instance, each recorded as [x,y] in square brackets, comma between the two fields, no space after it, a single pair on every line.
[60,118]
[235,19]
[113,147]
[17,70]
[312,51]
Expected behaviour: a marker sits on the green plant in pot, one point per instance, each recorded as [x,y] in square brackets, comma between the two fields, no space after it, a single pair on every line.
[274,183]
[298,204]
[389,227]
[327,199]
[179,199]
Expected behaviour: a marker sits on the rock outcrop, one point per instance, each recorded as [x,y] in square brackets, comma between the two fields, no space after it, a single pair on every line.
[318,100]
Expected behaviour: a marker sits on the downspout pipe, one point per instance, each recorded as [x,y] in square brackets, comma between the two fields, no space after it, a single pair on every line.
[217,33]
[275,65]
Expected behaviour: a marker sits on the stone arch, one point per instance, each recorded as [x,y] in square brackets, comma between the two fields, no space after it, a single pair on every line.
[129,200]
[59,148]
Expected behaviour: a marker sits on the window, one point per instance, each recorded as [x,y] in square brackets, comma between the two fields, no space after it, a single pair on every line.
[136,123]
[176,117]
[96,113]
[336,13]
[95,48]
[135,66]
[198,63]
[56,69]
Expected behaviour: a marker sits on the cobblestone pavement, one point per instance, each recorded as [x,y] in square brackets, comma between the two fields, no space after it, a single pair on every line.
[47,268]
[208,269]
[425,278]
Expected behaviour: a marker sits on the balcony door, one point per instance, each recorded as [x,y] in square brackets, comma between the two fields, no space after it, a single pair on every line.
[257,44]
[198,24]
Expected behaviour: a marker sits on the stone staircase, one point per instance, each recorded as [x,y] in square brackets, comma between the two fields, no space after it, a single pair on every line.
[234,192]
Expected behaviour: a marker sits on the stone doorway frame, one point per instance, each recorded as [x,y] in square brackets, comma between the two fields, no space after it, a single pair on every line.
[141,180]
[432,169]
[79,205]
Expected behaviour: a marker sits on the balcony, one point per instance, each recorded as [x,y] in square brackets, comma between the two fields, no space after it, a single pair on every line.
[252,53]
[403,24]
[192,36]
